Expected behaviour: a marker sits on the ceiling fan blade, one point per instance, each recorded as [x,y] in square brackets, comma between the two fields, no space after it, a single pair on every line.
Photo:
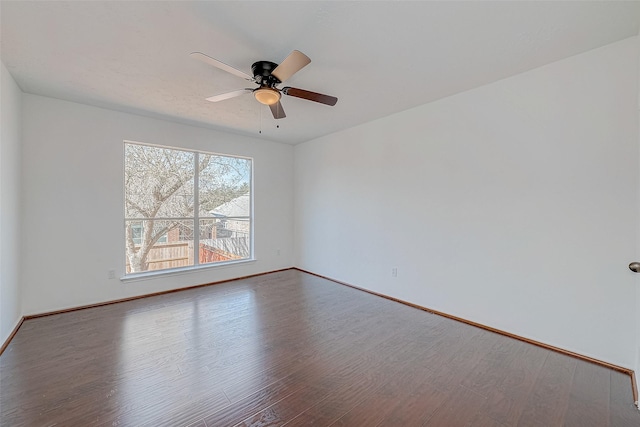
[221,65]
[223,96]
[293,63]
[311,96]
[277,111]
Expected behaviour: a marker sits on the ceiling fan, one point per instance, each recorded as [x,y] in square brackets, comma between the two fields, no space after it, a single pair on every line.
[268,75]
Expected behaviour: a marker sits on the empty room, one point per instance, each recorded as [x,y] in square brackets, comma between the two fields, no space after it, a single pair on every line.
[336,213]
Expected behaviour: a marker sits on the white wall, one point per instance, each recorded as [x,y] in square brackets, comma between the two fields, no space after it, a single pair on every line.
[10,112]
[513,205]
[73,202]
[637,280]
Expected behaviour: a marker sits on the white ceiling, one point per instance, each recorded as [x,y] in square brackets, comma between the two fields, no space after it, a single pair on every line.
[378,58]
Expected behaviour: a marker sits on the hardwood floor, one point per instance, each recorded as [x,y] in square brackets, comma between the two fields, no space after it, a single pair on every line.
[292,349]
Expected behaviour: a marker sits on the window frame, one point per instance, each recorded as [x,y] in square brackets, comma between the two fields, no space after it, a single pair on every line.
[196,218]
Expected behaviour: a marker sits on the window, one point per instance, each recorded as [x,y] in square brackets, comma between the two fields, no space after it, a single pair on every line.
[185,208]
[136,232]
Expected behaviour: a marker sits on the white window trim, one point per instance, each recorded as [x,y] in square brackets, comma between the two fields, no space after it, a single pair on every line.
[155,274]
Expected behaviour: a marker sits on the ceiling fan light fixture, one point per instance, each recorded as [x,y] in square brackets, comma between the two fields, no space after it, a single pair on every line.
[267,96]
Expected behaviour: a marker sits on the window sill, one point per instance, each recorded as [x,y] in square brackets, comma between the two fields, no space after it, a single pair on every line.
[150,275]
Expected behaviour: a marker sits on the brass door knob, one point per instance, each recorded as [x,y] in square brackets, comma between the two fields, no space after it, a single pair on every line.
[635,267]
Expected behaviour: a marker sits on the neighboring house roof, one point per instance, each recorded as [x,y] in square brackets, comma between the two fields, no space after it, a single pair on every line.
[240,206]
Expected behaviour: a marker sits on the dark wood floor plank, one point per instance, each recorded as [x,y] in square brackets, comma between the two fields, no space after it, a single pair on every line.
[489,372]
[460,408]
[300,373]
[303,351]
[349,344]
[292,349]
[549,400]
[344,399]
[484,420]
[339,401]
[340,369]
[589,399]
[622,411]
[385,399]
[416,407]
[507,400]
[255,402]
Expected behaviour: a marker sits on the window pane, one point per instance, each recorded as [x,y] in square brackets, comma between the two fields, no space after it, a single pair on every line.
[158,182]
[225,184]
[224,239]
[225,198]
[158,244]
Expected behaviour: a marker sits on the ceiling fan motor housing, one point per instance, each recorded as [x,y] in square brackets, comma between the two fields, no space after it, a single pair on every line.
[262,73]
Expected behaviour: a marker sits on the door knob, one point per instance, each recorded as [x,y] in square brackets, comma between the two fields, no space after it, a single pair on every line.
[635,267]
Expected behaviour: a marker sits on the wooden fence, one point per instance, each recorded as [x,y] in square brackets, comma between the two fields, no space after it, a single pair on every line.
[175,255]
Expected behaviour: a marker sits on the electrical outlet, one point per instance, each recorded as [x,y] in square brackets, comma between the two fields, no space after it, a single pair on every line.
[394,272]
[111,274]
